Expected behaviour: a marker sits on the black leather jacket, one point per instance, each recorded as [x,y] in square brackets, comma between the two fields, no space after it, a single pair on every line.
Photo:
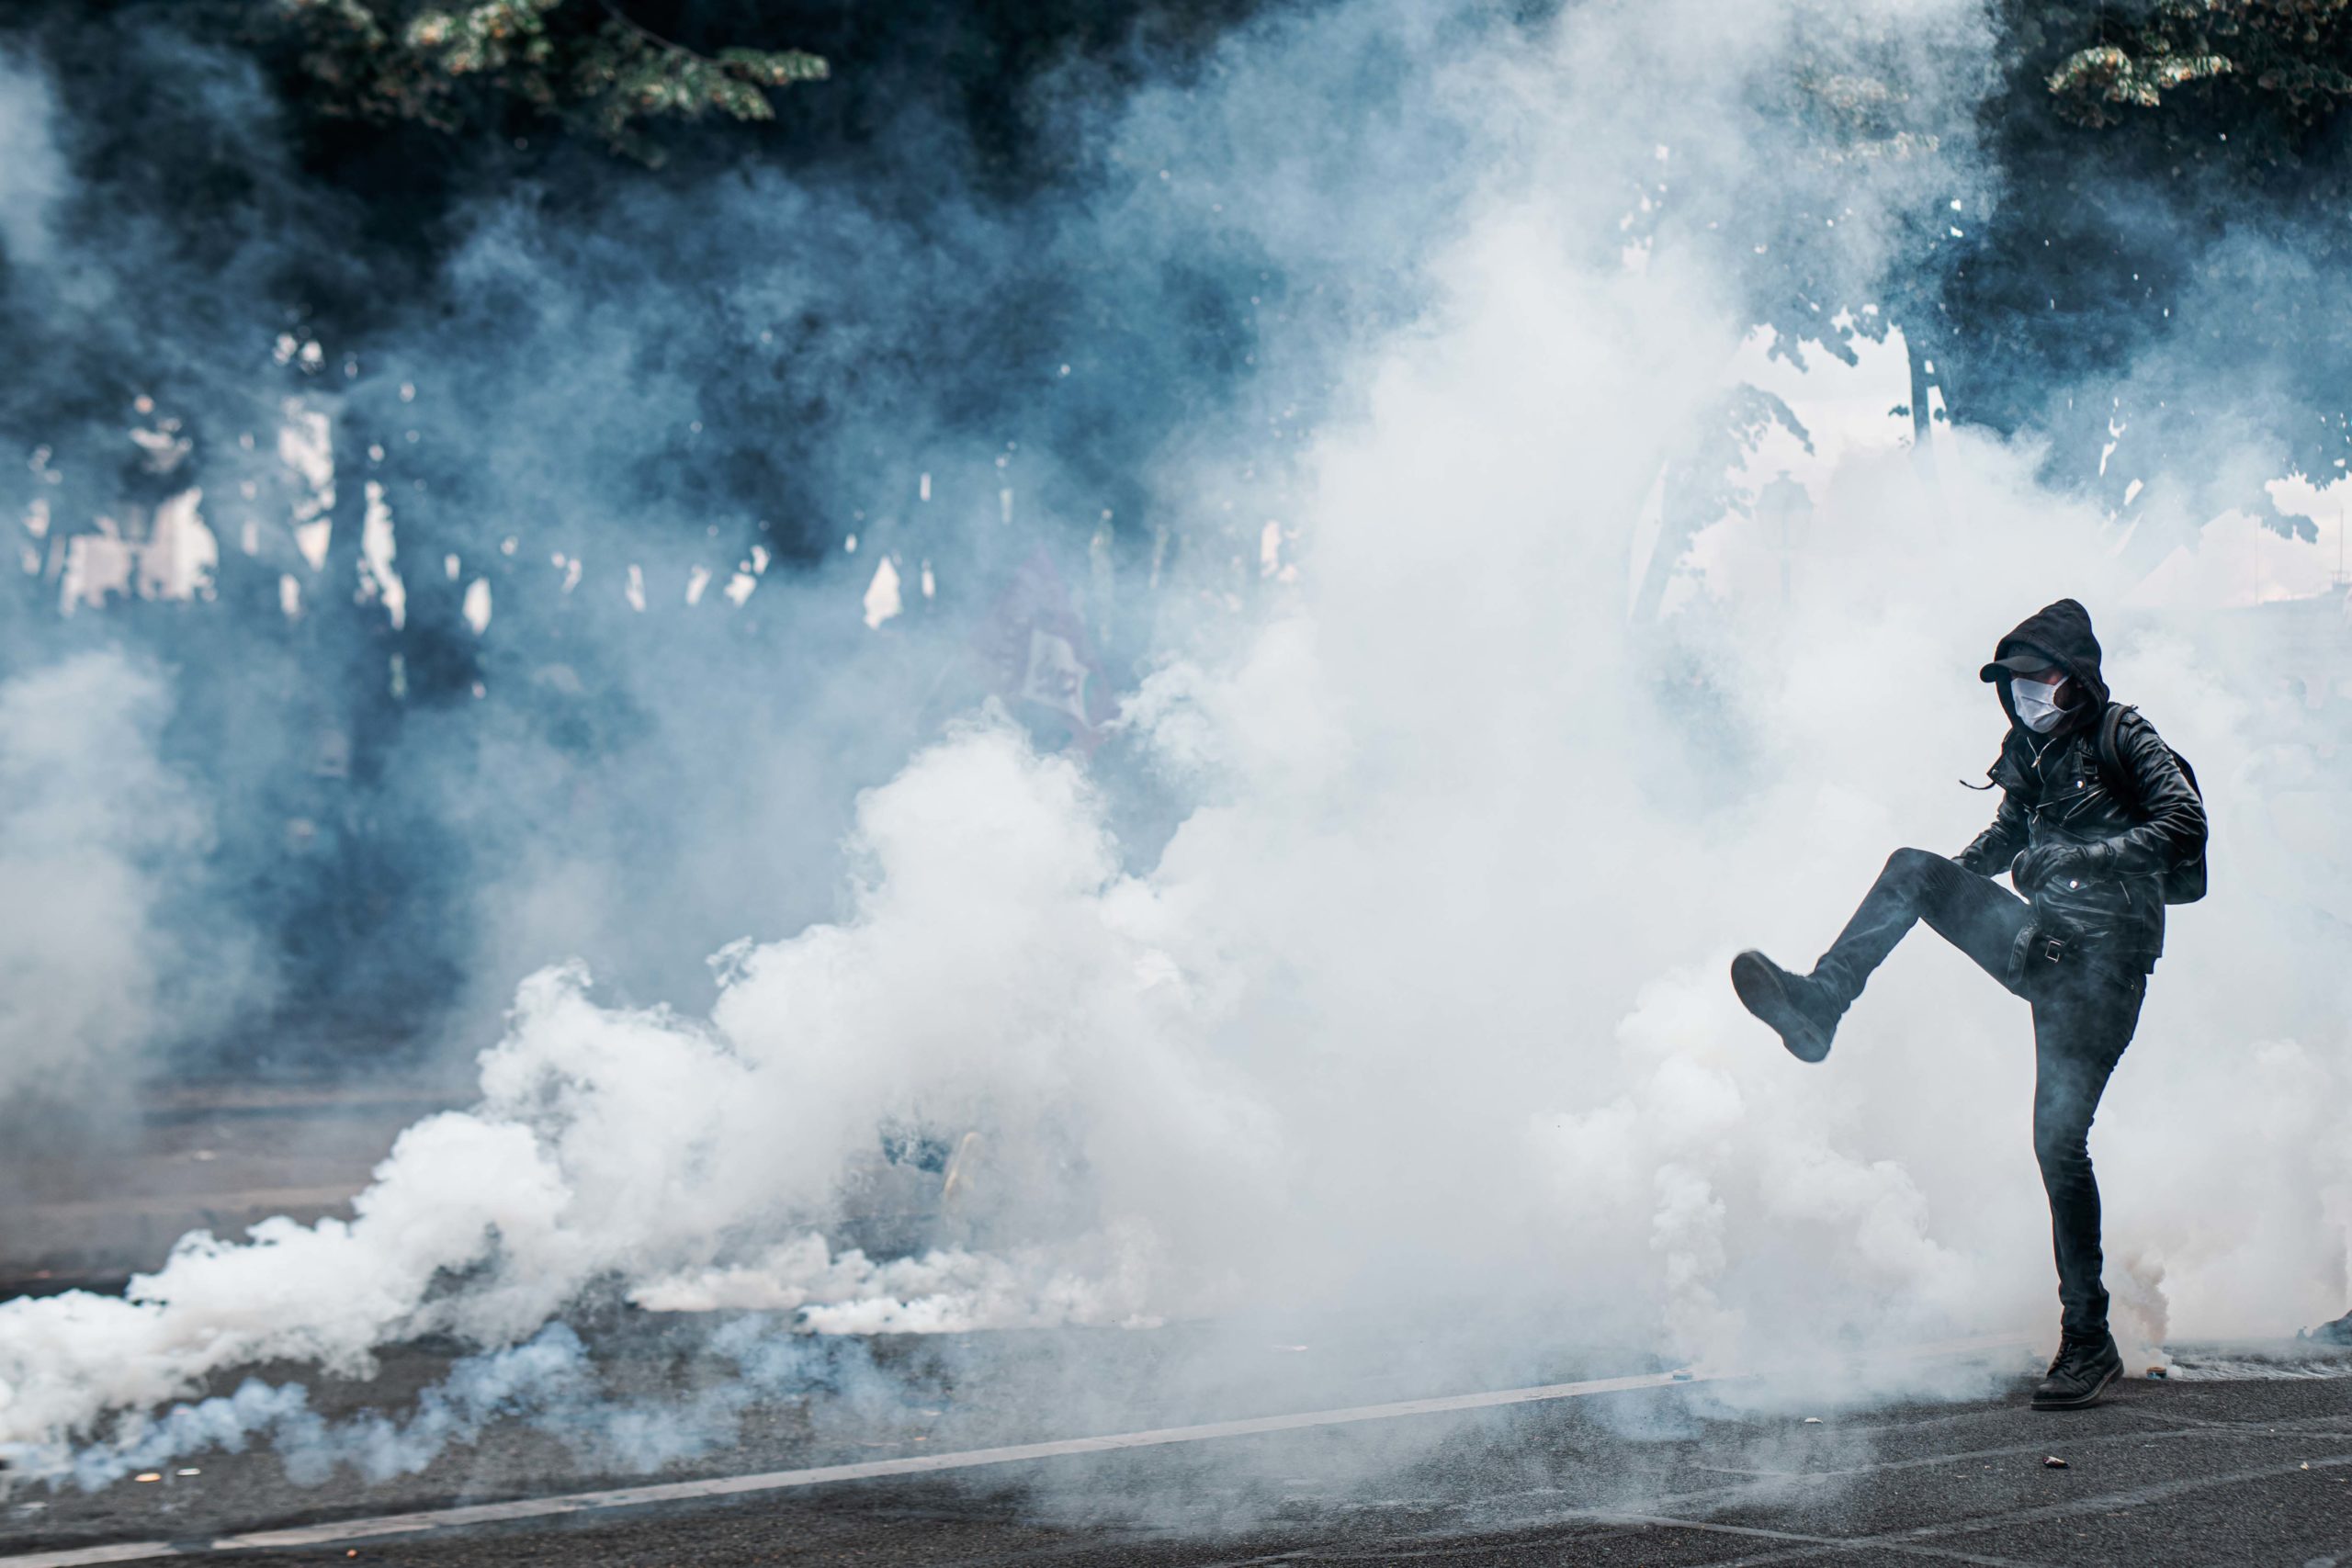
[2054,792]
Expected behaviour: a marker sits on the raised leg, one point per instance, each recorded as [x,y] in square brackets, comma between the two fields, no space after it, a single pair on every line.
[1973,913]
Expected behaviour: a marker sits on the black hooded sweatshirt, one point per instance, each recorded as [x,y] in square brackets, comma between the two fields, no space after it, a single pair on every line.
[2054,791]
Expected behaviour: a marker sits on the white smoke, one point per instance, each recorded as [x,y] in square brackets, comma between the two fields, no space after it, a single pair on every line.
[91,825]
[1423,1007]
[547,1382]
[34,177]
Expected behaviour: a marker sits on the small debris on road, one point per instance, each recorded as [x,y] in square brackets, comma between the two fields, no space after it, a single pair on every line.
[1812,1420]
[1681,1377]
[2159,1374]
[187,1472]
[149,1475]
[2055,1462]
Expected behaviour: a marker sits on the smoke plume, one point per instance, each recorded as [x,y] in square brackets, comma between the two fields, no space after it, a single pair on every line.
[1375,963]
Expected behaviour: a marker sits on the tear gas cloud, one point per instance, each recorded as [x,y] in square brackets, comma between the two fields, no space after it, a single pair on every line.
[93,831]
[1379,969]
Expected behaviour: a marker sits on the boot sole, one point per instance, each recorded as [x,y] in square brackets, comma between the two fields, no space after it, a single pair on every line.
[1759,992]
[2081,1400]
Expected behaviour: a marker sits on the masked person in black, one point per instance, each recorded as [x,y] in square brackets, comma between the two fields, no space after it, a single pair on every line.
[2099,825]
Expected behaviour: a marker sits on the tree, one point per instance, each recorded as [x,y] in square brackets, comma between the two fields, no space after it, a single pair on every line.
[2293,58]
[2182,155]
[583,62]
[2150,291]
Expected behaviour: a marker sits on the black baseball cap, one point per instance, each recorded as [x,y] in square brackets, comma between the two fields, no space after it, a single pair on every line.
[2024,662]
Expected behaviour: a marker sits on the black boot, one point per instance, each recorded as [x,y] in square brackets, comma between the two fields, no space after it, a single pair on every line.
[2081,1375]
[1799,1006]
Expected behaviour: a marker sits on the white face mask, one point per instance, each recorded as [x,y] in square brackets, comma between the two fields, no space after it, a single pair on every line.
[2034,707]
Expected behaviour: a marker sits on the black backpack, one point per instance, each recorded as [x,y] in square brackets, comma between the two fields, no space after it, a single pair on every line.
[2185,882]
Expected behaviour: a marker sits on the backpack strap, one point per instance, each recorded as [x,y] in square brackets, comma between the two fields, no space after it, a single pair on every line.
[2120,782]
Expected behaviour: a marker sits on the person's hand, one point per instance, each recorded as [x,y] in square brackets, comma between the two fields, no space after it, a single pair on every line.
[2045,864]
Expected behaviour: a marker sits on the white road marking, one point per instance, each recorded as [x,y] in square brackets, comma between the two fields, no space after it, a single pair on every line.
[379,1525]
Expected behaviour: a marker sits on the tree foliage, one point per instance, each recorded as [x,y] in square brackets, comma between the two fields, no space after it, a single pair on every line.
[583,62]
[2292,56]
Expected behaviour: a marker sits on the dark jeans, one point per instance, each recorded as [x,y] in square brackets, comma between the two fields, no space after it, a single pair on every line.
[2084,1009]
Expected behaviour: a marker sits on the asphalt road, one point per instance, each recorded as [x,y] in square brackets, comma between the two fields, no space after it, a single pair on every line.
[2240,1458]
[94,1190]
